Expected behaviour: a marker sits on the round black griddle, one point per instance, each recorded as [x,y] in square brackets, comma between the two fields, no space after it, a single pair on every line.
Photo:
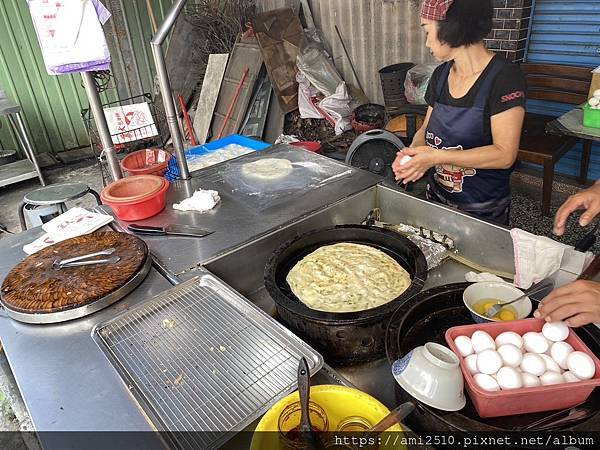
[350,336]
[425,318]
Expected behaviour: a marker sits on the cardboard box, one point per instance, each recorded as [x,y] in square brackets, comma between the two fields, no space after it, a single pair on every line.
[595,81]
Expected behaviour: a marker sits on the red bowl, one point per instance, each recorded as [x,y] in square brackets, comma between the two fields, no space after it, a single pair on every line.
[139,207]
[150,161]
[130,189]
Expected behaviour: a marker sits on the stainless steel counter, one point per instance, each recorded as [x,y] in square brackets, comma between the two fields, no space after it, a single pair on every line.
[65,380]
[235,222]
[68,384]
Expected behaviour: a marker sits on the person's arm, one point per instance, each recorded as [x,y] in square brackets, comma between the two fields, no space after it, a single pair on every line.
[419,137]
[577,303]
[506,133]
[588,199]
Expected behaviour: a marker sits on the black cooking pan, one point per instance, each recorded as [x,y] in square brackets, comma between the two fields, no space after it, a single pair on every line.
[342,337]
[425,318]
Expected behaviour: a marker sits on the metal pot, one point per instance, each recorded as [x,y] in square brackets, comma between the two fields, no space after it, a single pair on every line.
[425,318]
[342,337]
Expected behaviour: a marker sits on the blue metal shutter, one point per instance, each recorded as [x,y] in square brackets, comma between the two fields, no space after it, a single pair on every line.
[566,32]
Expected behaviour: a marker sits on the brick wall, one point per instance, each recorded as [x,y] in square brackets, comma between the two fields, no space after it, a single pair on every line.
[509,31]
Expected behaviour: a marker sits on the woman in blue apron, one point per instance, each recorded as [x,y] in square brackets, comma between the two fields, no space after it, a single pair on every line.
[469,140]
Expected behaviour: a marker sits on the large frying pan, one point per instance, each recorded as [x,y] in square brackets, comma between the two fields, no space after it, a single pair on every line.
[342,337]
[425,318]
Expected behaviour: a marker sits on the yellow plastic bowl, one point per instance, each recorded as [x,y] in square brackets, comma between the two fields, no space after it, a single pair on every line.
[338,402]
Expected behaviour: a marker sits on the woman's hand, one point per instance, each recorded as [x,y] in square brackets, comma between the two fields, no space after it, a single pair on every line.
[578,303]
[588,199]
[422,159]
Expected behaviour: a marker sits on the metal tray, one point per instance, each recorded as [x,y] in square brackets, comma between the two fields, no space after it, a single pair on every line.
[200,357]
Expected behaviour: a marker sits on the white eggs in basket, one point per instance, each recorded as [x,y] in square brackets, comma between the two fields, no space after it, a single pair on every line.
[511,355]
[486,382]
[597,93]
[509,378]
[535,342]
[555,331]
[482,341]
[464,346]
[594,101]
[581,365]
[559,352]
[509,337]
[569,377]
[533,364]
[550,363]
[550,377]
[530,380]
[489,361]
[512,361]
[471,361]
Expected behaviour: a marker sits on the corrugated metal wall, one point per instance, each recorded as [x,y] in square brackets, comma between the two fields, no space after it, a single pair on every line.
[566,32]
[52,104]
[377,33]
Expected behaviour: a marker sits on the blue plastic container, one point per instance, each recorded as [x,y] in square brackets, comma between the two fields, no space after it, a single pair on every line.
[173,171]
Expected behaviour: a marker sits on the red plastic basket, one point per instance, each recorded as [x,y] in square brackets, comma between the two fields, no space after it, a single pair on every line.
[524,400]
[150,161]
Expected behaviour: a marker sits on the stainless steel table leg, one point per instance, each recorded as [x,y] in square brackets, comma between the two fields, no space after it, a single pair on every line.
[28,148]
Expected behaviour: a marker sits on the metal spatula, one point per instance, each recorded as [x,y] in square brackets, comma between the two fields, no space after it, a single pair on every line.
[547,284]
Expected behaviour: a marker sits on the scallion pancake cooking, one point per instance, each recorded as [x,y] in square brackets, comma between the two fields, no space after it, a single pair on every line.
[347,277]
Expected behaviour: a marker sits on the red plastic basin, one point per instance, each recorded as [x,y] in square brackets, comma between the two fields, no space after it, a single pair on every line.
[135,207]
[523,400]
[150,161]
[311,146]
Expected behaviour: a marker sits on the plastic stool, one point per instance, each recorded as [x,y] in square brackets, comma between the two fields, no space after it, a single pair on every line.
[55,194]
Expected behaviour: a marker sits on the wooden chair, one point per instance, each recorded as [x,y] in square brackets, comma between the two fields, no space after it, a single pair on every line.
[557,83]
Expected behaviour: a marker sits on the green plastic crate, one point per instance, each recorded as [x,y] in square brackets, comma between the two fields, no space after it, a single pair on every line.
[591,117]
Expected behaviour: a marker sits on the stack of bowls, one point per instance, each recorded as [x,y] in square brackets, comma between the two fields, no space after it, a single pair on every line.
[137,197]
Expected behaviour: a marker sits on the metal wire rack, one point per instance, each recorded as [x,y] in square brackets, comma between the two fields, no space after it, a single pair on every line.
[137,138]
[200,357]
[141,136]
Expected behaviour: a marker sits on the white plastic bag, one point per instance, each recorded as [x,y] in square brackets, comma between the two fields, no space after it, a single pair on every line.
[306,92]
[339,107]
[318,68]
[416,82]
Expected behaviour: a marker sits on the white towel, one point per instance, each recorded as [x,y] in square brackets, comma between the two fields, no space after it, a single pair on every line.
[473,277]
[538,257]
[201,201]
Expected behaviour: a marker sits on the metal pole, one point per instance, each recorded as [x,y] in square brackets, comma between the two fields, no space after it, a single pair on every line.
[23,138]
[348,58]
[165,86]
[103,131]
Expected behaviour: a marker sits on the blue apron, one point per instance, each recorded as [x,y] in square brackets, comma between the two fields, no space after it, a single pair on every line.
[482,192]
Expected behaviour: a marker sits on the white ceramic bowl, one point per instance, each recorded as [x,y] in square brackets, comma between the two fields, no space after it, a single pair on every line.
[498,290]
[431,374]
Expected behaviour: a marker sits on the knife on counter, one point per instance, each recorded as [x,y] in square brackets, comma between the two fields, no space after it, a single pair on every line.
[173,229]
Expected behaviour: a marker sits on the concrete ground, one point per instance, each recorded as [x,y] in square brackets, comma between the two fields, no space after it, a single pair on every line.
[525,214]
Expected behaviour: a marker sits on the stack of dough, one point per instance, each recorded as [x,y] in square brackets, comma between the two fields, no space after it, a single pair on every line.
[347,277]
